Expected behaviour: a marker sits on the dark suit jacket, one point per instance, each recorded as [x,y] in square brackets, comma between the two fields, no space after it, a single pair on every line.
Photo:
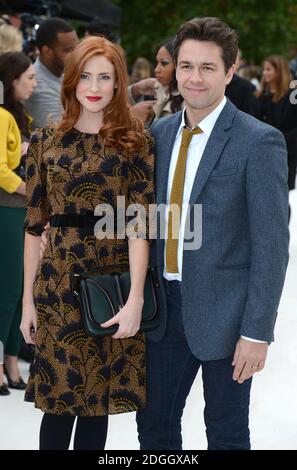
[241,93]
[232,285]
[283,116]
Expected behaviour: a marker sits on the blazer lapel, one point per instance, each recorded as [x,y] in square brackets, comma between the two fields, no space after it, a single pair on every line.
[214,147]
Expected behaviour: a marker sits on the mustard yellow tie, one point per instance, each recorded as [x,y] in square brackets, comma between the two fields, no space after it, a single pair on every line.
[176,197]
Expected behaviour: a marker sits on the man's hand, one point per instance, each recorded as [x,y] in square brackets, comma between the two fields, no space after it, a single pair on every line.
[145,87]
[44,240]
[143,110]
[249,357]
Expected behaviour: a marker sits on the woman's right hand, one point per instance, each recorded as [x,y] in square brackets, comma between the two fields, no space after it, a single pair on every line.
[28,323]
[44,240]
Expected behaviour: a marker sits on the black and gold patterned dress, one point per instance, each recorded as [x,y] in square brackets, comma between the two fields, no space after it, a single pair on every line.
[72,373]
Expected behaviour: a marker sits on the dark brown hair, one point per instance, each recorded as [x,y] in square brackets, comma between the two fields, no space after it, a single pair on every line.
[48,31]
[175,98]
[12,65]
[209,29]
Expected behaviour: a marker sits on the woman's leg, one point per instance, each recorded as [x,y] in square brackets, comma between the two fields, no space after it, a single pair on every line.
[1,374]
[55,432]
[11,284]
[90,433]
[13,345]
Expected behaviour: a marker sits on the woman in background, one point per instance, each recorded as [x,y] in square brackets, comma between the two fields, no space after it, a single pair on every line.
[141,70]
[275,107]
[169,100]
[18,78]
[11,39]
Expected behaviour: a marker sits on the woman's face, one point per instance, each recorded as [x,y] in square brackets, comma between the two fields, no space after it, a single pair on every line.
[97,83]
[269,73]
[164,69]
[25,84]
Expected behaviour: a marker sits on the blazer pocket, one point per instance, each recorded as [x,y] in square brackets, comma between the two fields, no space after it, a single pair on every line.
[235,267]
[224,171]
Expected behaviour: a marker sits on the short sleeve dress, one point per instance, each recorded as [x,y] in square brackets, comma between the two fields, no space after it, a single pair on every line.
[72,373]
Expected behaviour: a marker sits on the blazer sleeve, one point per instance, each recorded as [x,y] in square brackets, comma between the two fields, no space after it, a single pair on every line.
[141,190]
[38,208]
[267,205]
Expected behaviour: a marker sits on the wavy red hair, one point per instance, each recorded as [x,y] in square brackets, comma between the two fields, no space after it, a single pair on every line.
[120,128]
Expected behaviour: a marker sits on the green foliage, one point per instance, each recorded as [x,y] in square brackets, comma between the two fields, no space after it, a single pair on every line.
[264,26]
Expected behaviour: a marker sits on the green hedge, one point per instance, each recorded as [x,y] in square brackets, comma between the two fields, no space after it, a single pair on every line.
[265,27]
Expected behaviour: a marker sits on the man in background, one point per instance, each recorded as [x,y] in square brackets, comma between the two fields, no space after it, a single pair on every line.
[55,39]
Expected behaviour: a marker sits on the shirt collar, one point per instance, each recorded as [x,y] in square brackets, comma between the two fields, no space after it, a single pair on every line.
[207,124]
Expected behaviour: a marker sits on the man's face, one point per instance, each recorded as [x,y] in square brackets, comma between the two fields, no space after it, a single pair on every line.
[63,45]
[201,75]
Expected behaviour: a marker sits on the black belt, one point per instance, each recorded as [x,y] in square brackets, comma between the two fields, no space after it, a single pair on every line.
[74,220]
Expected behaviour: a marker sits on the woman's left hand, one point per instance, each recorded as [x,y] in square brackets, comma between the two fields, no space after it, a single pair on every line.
[128,319]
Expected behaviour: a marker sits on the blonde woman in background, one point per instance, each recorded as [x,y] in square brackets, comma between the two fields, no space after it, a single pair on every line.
[141,69]
[11,39]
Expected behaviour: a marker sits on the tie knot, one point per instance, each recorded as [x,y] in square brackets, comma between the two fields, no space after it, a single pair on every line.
[196,130]
[188,134]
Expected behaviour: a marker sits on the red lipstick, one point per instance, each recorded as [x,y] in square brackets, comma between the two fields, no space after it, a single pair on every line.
[94,98]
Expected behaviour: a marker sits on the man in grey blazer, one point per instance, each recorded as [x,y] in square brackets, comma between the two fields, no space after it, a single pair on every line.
[222,298]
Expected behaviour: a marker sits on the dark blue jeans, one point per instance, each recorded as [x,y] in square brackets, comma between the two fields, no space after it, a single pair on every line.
[171,371]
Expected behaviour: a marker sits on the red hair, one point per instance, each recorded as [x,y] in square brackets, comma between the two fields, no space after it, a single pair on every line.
[120,128]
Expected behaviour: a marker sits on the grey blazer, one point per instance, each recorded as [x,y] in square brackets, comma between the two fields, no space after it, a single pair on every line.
[232,285]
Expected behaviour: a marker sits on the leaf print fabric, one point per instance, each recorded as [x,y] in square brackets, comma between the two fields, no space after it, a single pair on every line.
[73,373]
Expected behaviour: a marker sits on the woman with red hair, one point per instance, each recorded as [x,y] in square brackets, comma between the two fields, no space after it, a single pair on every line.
[97,152]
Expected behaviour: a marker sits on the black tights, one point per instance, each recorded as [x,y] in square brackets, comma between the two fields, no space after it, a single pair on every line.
[56,430]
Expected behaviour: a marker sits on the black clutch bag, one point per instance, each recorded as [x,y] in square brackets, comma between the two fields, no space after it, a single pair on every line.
[101,296]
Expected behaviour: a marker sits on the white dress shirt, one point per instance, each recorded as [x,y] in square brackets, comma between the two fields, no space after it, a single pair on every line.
[195,152]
